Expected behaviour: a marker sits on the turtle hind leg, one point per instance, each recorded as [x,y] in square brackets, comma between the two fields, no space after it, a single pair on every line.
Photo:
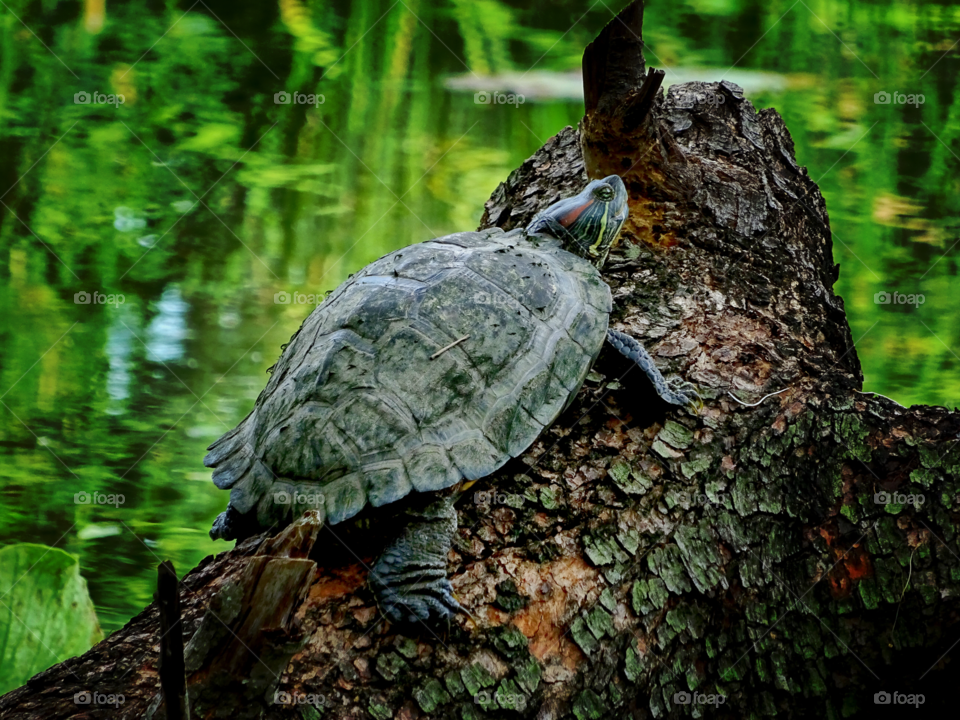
[232,525]
[683,393]
[410,578]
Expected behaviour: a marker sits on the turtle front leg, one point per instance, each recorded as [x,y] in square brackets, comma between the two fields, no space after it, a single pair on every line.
[410,578]
[681,393]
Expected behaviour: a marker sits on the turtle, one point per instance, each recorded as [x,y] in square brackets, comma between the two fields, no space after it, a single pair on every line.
[426,370]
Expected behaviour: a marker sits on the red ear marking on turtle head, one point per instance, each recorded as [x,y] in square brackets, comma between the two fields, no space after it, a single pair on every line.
[571,217]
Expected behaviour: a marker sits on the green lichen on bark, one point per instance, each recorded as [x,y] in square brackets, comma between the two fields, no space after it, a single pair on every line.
[391,665]
[406,647]
[583,637]
[379,711]
[693,564]
[508,598]
[667,563]
[600,622]
[676,435]
[529,674]
[509,641]
[475,678]
[589,706]
[549,498]
[699,465]
[633,666]
[509,696]
[308,712]
[454,684]
[700,556]
[431,695]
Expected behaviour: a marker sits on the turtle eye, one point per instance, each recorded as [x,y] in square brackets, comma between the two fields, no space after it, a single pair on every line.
[604,192]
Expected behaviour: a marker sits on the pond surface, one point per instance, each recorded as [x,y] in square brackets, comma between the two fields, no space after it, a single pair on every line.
[147,248]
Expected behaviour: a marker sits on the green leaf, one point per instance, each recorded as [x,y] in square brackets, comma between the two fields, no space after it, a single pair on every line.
[215,138]
[46,614]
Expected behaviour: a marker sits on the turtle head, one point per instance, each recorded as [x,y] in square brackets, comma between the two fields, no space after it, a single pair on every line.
[587,224]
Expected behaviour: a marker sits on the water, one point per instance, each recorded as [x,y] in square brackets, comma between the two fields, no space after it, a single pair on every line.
[186,215]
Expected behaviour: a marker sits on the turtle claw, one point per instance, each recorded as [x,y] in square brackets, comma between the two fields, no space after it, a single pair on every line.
[683,393]
[432,603]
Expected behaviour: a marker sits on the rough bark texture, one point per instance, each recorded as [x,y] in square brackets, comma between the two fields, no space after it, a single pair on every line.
[635,551]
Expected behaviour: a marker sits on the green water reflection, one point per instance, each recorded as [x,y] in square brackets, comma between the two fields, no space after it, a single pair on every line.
[201,200]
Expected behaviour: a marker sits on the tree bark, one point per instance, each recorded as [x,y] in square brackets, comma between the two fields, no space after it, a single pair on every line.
[635,551]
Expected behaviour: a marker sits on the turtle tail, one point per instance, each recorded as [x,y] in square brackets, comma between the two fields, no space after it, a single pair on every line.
[237,468]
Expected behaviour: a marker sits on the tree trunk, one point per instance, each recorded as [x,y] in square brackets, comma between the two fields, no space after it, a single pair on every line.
[794,555]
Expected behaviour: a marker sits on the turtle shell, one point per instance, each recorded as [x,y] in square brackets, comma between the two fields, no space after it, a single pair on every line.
[436,363]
